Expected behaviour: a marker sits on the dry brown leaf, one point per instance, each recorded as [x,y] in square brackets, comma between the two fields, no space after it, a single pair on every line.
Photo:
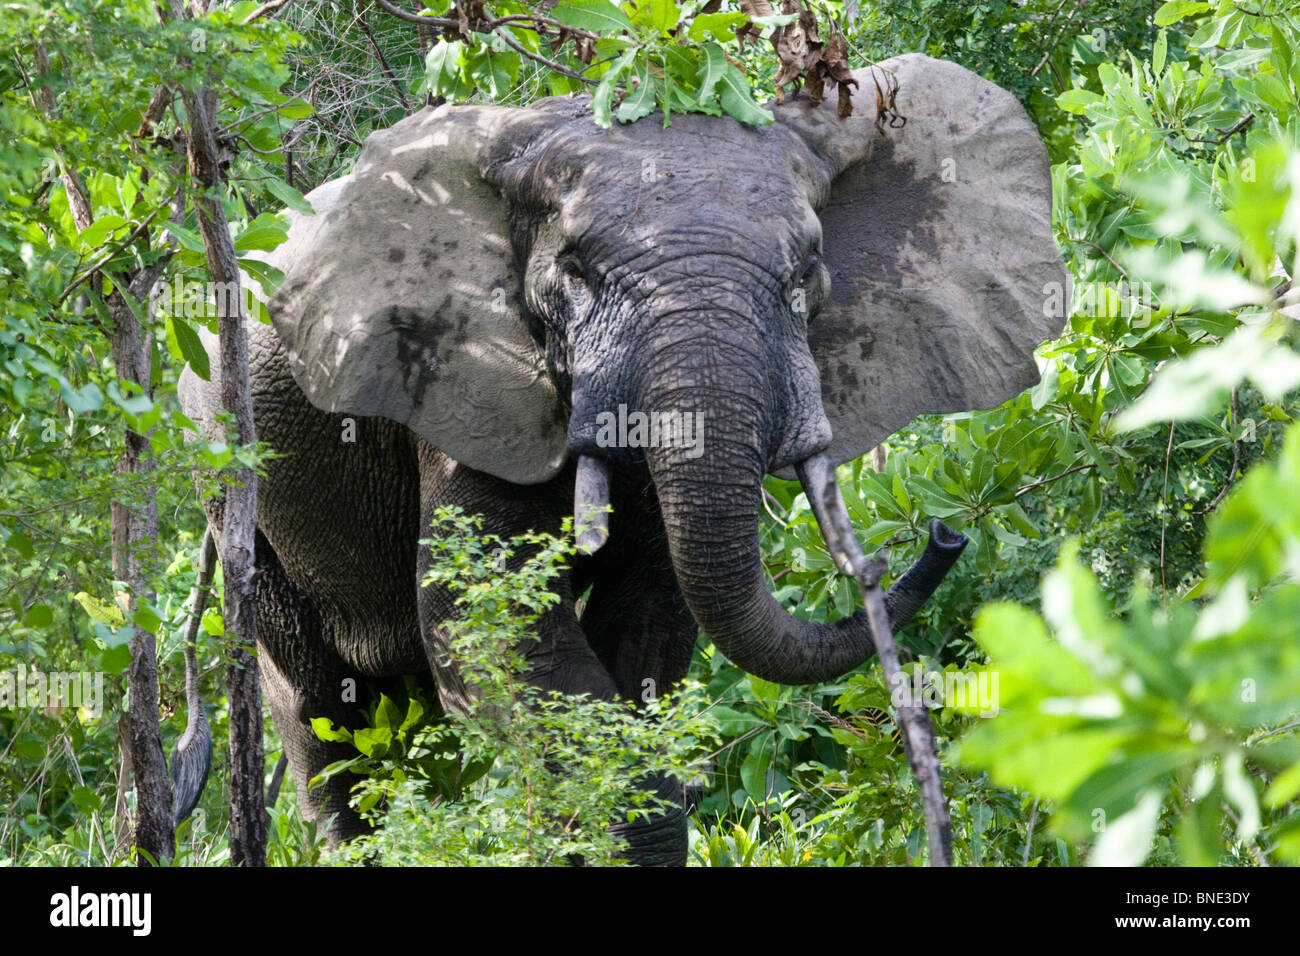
[748,31]
[886,109]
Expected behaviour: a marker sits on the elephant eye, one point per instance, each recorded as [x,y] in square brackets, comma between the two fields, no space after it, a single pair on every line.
[809,272]
[571,272]
[573,278]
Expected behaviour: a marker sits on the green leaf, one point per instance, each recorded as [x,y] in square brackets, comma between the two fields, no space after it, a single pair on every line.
[190,346]
[640,101]
[1284,788]
[266,276]
[266,232]
[147,619]
[598,16]
[1269,88]
[720,26]
[659,15]
[1176,10]
[414,713]
[288,195]
[1077,100]
[738,101]
[1195,386]
[101,229]
[21,543]
[711,71]
[39,616]
[86,799]
[387,716]
[324,730]
[296,109]
[115,660]
[372,741]
[601,99]
[102,612]
[213,625]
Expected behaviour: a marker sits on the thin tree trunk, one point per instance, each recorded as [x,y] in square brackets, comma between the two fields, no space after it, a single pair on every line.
[134,532]
[247,774]
[123,826]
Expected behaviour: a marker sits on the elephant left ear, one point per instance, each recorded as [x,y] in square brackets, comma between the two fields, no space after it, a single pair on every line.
[945,275]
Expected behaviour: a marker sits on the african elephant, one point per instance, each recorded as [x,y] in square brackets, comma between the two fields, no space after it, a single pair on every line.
[491,287]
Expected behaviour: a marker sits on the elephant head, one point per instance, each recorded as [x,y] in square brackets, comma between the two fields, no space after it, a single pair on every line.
[504,280]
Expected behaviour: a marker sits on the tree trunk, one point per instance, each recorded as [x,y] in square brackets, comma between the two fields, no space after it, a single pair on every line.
[239,524]
[134,530]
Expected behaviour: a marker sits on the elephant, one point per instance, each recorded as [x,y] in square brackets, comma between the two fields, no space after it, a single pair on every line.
[492,290]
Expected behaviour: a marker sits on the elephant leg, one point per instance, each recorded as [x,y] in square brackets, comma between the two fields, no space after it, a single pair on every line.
[303,678]
[641,624]
[637,621]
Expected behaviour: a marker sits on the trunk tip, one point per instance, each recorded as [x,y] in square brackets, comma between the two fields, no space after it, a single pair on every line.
[941,536]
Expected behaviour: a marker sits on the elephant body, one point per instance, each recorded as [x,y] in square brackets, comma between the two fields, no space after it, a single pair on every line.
[466,310]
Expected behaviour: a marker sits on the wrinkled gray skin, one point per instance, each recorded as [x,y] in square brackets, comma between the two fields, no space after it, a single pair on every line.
[808,287]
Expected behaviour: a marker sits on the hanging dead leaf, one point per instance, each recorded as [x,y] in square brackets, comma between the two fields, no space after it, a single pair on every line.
[886,109]
[749,30]
[584,46]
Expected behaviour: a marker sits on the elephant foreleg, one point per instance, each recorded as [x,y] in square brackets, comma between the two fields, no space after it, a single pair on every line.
[303,678]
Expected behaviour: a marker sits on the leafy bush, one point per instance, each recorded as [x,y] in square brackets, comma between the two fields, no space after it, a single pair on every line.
[524,777]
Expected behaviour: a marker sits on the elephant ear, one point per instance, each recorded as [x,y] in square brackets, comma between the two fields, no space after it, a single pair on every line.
[945,275]
[406,301]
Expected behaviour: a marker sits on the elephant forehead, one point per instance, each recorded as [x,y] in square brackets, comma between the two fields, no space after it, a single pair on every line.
[698,167]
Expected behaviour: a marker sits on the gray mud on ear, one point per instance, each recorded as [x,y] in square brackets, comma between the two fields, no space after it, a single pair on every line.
[405,303]
[938,239]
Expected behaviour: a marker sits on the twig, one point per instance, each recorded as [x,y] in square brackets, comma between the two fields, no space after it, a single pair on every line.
[1105,254]
[818,475]
[1251,741]
[491,26]
[271,6]
[383,61]
[1052,46]
[1047,481]
[1235,471]
[548,63]
[768,501]
[1164,511]
[1029,837]
[1225,135]
[109,256]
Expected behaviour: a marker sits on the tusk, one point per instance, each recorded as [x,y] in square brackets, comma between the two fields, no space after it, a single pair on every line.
[591,504]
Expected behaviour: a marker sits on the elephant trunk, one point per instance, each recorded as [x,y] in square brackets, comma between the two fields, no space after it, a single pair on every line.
[710,506]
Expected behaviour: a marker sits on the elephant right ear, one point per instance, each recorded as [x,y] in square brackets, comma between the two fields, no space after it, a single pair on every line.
[945,275]
[406,302]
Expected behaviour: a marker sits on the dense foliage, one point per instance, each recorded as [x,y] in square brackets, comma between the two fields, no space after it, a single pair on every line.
[1125,616]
